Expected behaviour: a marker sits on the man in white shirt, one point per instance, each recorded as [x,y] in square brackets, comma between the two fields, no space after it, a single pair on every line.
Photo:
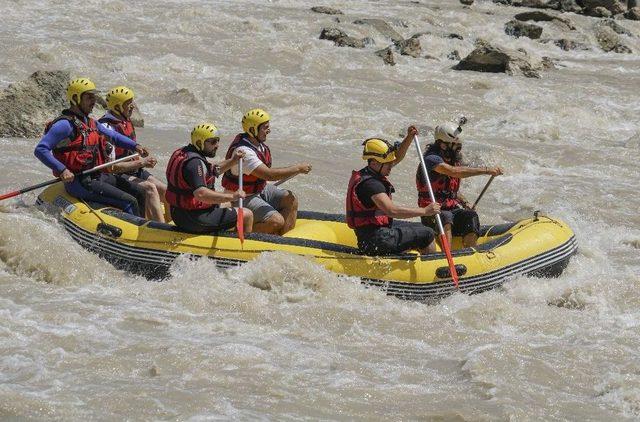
[274,209]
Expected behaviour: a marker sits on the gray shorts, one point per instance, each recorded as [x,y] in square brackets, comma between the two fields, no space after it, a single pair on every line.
[266,203]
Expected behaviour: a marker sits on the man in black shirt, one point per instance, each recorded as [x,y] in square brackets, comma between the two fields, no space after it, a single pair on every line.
[370,209]
[191,191]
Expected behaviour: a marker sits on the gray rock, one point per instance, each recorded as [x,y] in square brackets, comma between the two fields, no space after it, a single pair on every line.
[489,58]
[616,27]
[519,29]
[539,16]
[410,47]
[467,2]
[613,6]
[454,55]
[570,6]
[606,37]
[27,105]
[181,96]
[540,4]
[567,44]
[387,56]
[633,14]
[326,10]
[599,12]
[381,26]
[621,48]
[340,38]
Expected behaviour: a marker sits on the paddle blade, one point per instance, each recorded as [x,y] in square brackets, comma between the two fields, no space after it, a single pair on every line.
[240,225]
[447,251]
[9,195]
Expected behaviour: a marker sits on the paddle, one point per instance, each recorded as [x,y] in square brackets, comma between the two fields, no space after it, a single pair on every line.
[53,181]
[286,179]
[240,222]
[483,191]
[443,237]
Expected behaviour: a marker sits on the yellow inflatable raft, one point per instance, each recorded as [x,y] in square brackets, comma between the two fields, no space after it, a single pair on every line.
[539,246]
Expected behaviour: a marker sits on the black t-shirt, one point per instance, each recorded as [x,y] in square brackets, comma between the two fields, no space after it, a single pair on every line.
[365,190]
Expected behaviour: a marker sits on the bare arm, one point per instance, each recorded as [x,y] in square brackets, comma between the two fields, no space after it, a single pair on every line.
[210,196]
[385,203]
[132,165]
[462,172]
[405,144]
[279,173]
[227,164]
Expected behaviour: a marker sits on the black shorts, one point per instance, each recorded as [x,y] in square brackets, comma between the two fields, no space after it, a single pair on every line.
[463,221]
[211,220]
[394,240]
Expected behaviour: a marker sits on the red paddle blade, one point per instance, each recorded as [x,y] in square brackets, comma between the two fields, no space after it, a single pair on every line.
[240,224]
[447,252]
[9,195]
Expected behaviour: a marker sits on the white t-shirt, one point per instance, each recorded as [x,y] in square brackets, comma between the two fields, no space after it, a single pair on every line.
[250,162]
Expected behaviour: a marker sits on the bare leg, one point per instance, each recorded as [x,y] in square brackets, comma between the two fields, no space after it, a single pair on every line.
[289,211]
[447,232]
[152,199]
[272,225]
[162,190]
[470,239]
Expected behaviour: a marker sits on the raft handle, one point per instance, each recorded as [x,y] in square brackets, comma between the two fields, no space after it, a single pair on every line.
[444,272]
[109,230]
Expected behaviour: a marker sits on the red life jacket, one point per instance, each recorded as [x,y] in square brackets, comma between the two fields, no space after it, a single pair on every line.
[445,188]
[84,149]
[179,192]
[357,214]
[251,184]
[125,127]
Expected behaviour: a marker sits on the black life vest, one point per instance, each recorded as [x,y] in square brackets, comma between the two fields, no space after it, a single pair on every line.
[179,192]
[251,183]
[84,149]
[445,188]
[357,214]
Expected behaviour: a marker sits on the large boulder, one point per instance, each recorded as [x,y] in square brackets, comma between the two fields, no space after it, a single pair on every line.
[540,16]
[383,27]
[617,28]
[613,6]
[489,58]
[519,29]
[341,39]
[26,106]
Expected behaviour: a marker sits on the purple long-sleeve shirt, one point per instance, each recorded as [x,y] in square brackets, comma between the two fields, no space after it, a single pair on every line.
[62,130]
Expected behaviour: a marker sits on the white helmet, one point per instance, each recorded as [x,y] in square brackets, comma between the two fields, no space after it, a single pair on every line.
[447,132]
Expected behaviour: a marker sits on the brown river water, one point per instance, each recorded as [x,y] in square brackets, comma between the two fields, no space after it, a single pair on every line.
[281,338]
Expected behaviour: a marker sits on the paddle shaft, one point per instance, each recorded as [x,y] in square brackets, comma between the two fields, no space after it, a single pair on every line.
[53,181]
[240,222]
[483,191]
[286,179]
[443,236]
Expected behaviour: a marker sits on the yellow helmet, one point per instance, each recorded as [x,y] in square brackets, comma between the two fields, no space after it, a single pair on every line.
[201,133]
[78,87]
[118,96]
[254,118]
[379,150]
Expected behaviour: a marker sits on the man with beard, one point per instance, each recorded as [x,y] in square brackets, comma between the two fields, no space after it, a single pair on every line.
[195,205]
[118,117]
[370,210]
[444,164]
[275,209]
[74,142]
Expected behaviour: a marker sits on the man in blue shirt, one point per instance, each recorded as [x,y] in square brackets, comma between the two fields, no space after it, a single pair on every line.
[74,142]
